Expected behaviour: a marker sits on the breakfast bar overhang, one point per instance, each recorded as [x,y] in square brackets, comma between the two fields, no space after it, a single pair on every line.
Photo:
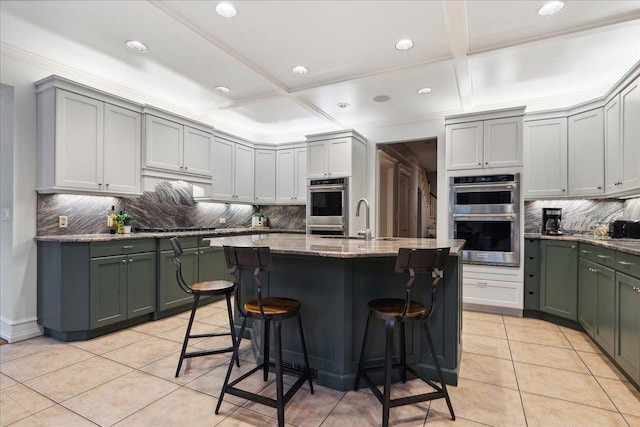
[334,278]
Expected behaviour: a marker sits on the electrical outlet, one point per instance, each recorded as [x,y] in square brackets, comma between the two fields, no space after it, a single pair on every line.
[6,214]
[62,222]
[223,220]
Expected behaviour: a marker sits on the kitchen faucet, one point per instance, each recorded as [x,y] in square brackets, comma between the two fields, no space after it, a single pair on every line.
[366,232]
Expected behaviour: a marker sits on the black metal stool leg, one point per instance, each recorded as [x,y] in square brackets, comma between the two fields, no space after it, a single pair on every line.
[196,298]
[389,324]
[231,325]
[436,363]
[364,346]
[403,353]
[304,353]
[265,352]
[234,358]
[279,382]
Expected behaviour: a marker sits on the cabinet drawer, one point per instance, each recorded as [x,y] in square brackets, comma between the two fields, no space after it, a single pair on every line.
[597,254]
[627,263]
[122,247]
[185,242]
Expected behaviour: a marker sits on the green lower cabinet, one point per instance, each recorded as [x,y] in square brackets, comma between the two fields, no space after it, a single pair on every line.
[587,295]
[604,332]
[212,265]
[141,284]
[122,287]
[170,294]
[559,278]
[108,291]
[627,338]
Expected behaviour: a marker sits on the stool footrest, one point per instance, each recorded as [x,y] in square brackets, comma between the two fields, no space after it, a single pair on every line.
[219,334]
[207,352]
[259,398]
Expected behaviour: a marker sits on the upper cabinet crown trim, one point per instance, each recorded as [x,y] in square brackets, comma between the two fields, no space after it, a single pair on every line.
[485,115]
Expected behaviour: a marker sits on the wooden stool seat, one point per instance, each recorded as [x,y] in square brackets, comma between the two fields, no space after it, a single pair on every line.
[391,308]
[274,307]
[213,287]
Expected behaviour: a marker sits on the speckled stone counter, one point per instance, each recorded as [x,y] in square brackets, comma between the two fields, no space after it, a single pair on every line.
[334,278]
[87,238]
[631,246]
[334,247]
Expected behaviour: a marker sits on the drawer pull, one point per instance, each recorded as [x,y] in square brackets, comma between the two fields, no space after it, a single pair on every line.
[124,261]
[625,263]
[603,256]
[572,246]
[584,251]
[128,247]
[130,260]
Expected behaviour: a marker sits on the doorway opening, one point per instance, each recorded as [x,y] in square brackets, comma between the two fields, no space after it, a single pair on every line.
[407,188]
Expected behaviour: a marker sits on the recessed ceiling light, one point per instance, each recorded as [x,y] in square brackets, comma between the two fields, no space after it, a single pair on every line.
[381,98]
[343,105]
[222,89]
[226,10]
[551,8]
[424,90]
[136,46]
[404,44]
[300,70]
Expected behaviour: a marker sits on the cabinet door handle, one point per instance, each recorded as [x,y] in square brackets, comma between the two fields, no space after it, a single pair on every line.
[130,260]
[479,164]
[599,188]
[625,263]
[128,247]
[124,261]
[585,251]
[563,190]
[603,256]
[593,270]
[185,168]
[573,247]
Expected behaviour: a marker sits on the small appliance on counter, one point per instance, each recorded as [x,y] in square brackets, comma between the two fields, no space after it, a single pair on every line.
[625,228]
[258,220]
[551,221]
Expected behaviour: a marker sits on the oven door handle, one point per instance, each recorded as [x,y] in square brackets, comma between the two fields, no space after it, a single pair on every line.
[481,217]
[325,227]
[476,187]
[326,188]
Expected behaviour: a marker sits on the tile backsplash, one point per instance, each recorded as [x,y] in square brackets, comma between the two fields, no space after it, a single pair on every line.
[171,205]
[581,215]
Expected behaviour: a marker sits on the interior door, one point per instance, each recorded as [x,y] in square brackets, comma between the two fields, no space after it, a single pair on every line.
[404,200]
[386,189]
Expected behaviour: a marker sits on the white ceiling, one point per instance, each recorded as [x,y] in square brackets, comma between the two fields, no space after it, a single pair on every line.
[475,55]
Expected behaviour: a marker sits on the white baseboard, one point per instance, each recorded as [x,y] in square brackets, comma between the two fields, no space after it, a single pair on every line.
[18,330]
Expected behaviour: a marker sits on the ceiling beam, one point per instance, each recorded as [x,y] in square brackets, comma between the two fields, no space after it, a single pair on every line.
[455,15]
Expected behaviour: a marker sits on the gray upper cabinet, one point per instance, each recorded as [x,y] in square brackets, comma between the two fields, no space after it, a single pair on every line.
[482,144]
[291,180]
[173,147]
[86,145]
[586,153]
[233,166]
[630,132]
[622,140]
[545,145]
[265,176]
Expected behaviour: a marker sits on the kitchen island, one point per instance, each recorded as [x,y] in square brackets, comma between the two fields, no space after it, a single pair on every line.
[334,278]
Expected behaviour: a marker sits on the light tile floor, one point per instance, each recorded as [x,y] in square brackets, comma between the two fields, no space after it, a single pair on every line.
[514,372]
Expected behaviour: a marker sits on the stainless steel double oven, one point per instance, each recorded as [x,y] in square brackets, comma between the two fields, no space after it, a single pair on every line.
[485,212]
[327,206]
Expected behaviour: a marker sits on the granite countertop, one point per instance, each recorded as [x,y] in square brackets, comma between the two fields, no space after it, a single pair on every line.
[105,237]
[631,246]
[334,246]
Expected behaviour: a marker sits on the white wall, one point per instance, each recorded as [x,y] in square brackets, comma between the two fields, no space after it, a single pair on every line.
[18,310]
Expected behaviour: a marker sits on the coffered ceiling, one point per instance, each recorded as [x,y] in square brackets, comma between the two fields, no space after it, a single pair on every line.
[474,55]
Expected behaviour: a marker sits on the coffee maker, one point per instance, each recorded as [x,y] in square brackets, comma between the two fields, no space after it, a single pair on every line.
[551,218]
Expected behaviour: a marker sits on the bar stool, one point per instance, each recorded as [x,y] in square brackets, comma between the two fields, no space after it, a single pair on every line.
[214,287]
[394,311]
[270,310]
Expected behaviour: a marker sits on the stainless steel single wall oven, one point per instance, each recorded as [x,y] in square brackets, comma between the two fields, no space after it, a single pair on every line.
[327,206]
[485,212]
